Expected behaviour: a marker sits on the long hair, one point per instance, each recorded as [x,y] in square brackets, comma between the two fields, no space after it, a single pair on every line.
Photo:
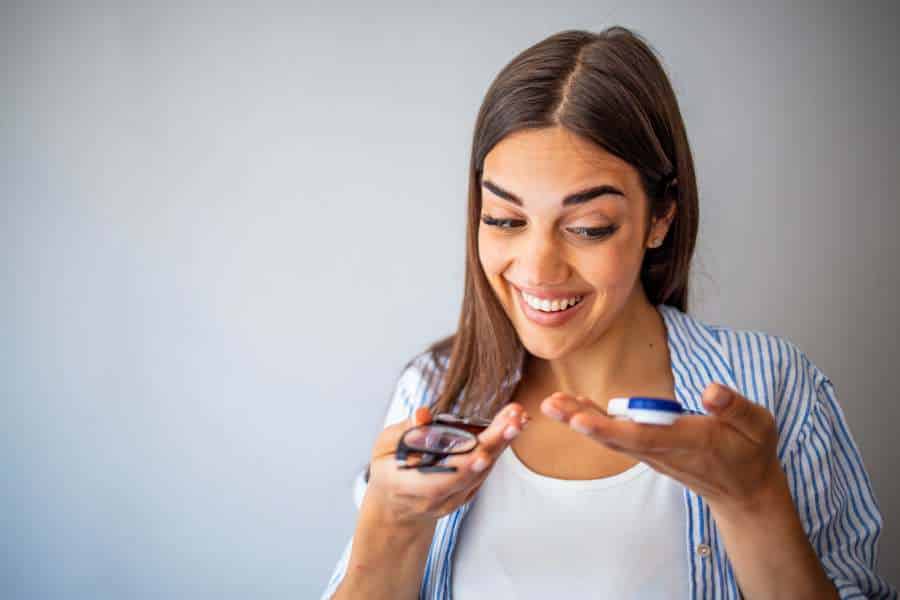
[609,88]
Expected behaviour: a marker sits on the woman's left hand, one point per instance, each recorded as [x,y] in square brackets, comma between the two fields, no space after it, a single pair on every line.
[728,456]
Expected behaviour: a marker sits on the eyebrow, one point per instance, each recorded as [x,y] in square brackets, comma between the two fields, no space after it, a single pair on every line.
[572,199]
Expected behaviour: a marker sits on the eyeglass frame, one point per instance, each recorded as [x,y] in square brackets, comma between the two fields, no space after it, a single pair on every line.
[429,460]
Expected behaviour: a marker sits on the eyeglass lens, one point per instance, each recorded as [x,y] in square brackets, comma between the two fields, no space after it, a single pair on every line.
[439,439]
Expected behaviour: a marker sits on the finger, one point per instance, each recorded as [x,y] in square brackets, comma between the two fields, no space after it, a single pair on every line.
[387,440]
[689,433]
[491,442]
[563,407]
[591,403]
[434,485]
[751,419]
[465,482]
[507,424]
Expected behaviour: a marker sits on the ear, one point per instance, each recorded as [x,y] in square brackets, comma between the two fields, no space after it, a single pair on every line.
[659,226]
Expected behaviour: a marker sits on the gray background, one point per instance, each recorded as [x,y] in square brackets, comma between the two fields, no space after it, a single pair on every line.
[225,229]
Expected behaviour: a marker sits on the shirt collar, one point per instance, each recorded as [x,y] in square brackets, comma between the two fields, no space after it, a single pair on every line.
[697,357]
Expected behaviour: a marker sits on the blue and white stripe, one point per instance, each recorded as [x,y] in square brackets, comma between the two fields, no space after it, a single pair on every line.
[825,471]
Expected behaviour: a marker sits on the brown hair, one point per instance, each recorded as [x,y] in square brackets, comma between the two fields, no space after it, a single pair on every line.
[607,87]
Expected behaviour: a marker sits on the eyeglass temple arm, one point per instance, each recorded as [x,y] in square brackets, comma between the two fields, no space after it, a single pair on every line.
[437,469]
[428,464]
[426,459]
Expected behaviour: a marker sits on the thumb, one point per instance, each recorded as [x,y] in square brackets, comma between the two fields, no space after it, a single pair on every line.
[422,416]
[751,419]
[388,439]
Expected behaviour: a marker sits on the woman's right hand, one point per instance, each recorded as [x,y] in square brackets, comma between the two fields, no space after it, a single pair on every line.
[409,497]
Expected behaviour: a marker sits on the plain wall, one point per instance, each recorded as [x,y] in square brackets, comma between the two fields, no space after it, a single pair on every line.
[225,229]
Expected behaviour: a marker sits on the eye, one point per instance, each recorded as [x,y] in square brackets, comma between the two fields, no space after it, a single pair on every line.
[502,223]
[593,233]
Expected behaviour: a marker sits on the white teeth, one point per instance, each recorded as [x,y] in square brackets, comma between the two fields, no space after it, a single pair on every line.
[550,305]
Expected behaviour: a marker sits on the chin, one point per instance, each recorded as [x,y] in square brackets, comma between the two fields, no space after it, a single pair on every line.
[544,348]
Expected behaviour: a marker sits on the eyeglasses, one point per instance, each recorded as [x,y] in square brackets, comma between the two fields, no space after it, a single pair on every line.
[446,435]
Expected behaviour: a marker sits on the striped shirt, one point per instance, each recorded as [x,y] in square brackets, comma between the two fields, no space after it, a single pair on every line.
[825,471]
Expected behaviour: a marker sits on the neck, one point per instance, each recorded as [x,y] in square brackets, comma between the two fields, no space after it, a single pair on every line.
[626,360]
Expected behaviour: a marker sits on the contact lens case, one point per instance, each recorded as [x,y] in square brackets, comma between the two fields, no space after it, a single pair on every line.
[641,409]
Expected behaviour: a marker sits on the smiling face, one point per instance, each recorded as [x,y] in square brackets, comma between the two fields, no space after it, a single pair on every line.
[564,265]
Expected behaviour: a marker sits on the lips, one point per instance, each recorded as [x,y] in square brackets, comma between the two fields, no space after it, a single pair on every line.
[550,319]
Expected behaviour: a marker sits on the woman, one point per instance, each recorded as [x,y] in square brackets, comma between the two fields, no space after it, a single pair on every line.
[582,222]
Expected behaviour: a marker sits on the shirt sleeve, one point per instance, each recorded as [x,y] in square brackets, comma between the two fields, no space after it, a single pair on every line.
[413,389]
[835,501]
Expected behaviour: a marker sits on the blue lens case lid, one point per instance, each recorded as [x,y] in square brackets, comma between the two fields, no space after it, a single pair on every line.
[647,403]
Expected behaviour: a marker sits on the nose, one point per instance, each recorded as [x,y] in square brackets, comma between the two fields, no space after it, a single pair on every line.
[540,262]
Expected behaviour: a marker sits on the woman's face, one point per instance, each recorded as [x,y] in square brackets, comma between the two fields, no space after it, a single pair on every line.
[542,248]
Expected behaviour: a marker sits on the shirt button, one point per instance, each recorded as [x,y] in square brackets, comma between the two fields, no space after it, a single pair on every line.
[703,550]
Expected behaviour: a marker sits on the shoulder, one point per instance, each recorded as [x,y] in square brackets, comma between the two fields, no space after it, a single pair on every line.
[767,369]
[758,363]
[758,355]
[774,371]
[417,385]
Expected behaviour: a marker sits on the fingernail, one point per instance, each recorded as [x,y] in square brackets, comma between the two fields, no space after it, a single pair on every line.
[720,398]
[552,411]
[480,464]
[578,426]
[510,432]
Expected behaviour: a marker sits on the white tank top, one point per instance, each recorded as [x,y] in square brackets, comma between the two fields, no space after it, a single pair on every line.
[528,536]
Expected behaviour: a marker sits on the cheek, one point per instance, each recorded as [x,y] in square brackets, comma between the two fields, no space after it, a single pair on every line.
[612,265]
[491,255]
[494,262]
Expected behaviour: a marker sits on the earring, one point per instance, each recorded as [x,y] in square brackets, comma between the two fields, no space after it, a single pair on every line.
[656,243]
